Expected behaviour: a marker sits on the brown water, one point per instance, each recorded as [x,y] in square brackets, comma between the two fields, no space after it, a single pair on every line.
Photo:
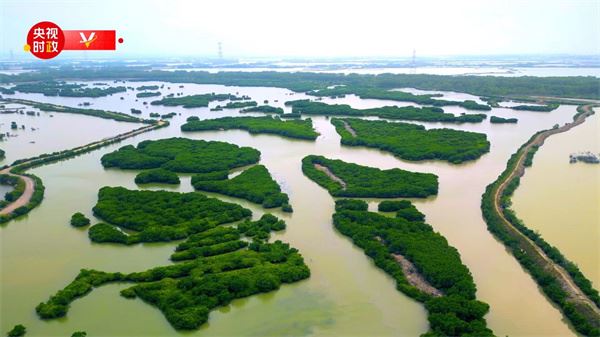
[346,294]
[562,201]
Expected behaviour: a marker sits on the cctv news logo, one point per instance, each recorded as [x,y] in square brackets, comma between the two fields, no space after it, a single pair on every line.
[46,40]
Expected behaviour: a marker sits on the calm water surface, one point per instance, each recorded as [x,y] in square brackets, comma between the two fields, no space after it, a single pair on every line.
[346,294]
[562,201]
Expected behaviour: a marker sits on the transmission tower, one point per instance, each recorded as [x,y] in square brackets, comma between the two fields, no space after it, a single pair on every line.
[413,64]
[220,45]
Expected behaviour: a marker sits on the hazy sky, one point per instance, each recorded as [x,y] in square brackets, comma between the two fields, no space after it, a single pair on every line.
[319,27]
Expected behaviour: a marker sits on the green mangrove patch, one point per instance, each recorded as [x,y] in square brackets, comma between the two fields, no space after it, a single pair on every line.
[254,184]
[158,175]
[428,114]
[413,142]
[423,264]
[343,179]
[181,155]
[301,129]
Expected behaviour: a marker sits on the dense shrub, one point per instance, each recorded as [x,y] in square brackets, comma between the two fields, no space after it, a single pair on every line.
[186,292]
[302,129]
[455,312]
[264,109]
[18,331]
[364,181]
[499,120]
[158,175]
[414,142]
[254,184]
[54,88]
[79,220]
[159,215]
[193,101]
[430,114]
[181,155]
[541,108]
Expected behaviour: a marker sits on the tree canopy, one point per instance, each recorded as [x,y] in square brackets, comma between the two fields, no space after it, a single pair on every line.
[413,142]
[367,182]
[181,155]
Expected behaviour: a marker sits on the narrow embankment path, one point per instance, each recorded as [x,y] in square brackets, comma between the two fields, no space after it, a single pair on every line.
[349,128]
[415,278]
[25,198]
[331,176]
[573,291]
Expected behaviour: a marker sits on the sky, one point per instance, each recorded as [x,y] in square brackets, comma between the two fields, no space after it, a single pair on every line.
[317,28]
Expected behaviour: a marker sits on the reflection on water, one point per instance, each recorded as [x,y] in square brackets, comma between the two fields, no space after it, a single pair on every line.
[346,294]
[561,200]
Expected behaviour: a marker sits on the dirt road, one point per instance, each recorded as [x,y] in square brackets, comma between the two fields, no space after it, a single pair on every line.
[573,291]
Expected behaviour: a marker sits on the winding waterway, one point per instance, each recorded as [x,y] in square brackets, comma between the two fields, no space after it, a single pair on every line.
[346,294]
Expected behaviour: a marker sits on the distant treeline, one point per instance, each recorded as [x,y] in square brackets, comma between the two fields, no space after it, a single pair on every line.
[53,88]
[574,87]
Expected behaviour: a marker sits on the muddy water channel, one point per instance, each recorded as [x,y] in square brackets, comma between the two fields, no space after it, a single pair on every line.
[346,294]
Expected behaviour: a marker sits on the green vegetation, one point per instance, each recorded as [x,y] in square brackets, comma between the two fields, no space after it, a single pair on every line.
[79,220]
[254,184]
[18,331]
[117,116]
[573,86]
[429,114]
[403,208]
[583,319]
[193,118]
[221,240]
[136,111]
[530,154]
[453,309]
[169,115]
[186,292]
[541,108]
[147,87]
[157,175]
[36,198]
[103,233]
[193,101]
[2,154]
[395,95]
[159,215]
[148,94]
[67,90]
[352,180]
[79,334]
[181,155]
[261,229]
[218,264]
[500,120]
[264,109]
[18,187]
[239,105]
[413,142]
[301,129]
